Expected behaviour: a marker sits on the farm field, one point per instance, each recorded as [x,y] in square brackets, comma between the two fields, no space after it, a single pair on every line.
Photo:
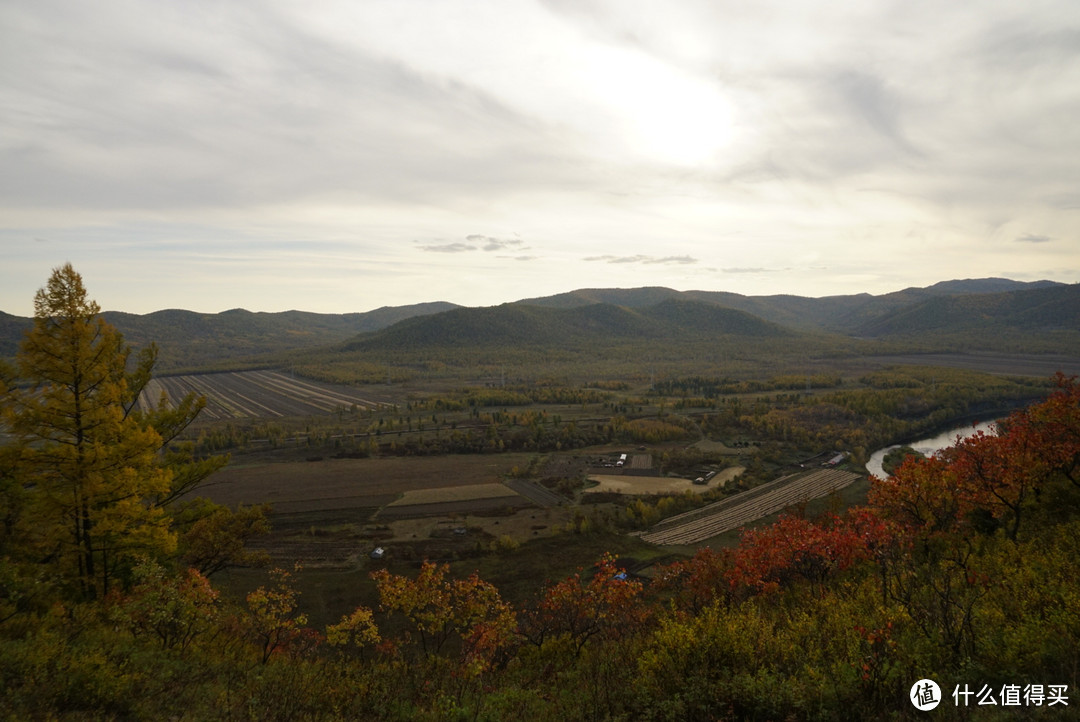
[331,513]
[639,485]
[698,525]
[261,394]
[332,484]
[453,493]
[628,484]
[1039,365]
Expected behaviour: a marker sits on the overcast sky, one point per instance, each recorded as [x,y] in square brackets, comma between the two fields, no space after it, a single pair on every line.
[341,156]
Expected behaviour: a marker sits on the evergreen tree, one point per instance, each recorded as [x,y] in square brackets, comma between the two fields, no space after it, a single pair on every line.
[90,465]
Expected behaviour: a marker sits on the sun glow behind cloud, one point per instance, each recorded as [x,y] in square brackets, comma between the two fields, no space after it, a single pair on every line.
[663,113]
[622,102]
[393,151]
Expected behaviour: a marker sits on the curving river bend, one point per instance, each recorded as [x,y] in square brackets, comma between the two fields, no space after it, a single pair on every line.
[929,446]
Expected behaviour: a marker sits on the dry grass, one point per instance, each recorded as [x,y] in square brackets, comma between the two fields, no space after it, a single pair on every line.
[715,447]
[643,485]
[637,485]
[729,474]
[453,493]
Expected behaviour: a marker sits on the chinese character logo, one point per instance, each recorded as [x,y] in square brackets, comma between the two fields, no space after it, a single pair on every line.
[925,695]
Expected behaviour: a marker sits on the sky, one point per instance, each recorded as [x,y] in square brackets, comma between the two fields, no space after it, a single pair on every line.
[338,156]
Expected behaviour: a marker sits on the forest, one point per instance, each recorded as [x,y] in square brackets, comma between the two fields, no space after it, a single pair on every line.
[959,568]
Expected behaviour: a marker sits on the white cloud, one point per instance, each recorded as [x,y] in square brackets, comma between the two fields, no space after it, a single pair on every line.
[648,260]
[488,243]
[760,136]
[448,248]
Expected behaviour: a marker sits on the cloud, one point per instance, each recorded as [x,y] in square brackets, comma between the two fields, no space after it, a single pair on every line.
[644,259]
[449,248]
[867,134]
[477,242]
[490,243]
[683,260]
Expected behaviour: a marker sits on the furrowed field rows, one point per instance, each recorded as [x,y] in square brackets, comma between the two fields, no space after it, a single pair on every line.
[259,394]
[701,524]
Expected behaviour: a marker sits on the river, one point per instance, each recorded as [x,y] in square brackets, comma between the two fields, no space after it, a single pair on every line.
[929,446]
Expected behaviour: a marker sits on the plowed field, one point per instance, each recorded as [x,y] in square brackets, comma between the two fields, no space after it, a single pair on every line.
[261,394]
[733,512]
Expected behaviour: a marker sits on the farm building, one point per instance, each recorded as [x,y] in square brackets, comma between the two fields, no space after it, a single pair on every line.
[836,460]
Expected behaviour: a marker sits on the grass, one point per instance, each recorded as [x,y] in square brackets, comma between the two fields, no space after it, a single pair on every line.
[453,493]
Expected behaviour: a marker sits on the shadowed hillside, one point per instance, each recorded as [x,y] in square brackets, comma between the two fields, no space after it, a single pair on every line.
[842,314]
[991,314]
[1049,309]
[537,326]
[188,339]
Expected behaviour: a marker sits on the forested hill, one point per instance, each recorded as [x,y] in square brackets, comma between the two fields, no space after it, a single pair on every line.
[1052,308]
[843,314]
[189,339]
[979,314]
[537,326]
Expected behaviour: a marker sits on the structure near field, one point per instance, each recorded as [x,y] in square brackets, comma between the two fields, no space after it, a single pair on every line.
[700,524]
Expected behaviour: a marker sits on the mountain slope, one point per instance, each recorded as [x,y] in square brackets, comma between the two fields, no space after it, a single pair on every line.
[526,325]
[189,339]
[627,297]
[1051,308]
[840,314]
[966,314]
[11,333]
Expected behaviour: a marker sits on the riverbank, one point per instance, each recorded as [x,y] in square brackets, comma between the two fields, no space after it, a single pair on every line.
[932,444]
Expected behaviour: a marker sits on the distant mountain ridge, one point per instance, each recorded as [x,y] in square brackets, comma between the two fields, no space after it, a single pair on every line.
[831,313]
[532,325]
[189,339]
[979,310]
[1048,308]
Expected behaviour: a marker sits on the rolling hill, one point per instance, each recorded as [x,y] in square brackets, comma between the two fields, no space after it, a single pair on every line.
[539,326]
[961,315]
[841,314]
[1054,308]
[191,340]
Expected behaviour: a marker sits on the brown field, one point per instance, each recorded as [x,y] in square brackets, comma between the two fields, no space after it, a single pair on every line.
[715,447]
[262,394]
[1044,365]
[644,485]
[658,484]
[333,484]
[453,493]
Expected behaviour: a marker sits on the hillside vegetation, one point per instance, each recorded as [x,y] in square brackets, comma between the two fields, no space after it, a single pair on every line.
[591,325]
[190,340]
[988,315]
[1047,309]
